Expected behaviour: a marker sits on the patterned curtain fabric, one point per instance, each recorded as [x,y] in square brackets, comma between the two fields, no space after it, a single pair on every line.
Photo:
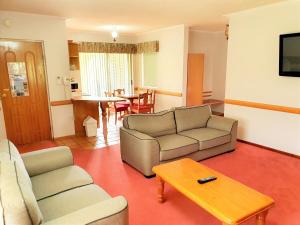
[102,47]
[148,47]
[101,72]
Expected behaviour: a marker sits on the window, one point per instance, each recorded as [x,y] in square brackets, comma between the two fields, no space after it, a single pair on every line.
[102,72]
[149,69]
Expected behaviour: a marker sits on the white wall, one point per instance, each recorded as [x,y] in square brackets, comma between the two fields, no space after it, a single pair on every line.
[252,75]
[52,31]
[93,36]
[214,47]
[171,66]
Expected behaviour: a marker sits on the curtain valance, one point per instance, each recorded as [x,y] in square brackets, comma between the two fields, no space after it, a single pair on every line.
[103,47]
[148,47]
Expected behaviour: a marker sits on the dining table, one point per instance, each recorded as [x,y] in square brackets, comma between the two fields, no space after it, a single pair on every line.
[84,106]
[129,97]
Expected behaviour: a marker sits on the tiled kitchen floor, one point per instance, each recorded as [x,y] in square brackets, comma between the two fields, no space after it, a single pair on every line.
[113,137]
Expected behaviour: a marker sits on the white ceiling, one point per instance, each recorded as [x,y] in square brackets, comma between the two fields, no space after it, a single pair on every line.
[136,16]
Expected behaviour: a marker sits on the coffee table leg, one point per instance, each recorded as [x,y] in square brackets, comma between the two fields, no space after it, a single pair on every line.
[261,218]
[161,188]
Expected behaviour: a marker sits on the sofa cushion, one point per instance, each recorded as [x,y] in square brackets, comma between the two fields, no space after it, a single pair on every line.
[8,151]
[61,180]
[18,201]
[174,145]
[191,117]
[72,200]
[153,125]
[4,150]
[208,137]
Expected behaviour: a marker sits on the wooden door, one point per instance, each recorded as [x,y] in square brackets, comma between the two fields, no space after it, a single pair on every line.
[195,79]
[23,91]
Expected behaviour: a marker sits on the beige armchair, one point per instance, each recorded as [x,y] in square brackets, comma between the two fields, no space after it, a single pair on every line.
[45,187]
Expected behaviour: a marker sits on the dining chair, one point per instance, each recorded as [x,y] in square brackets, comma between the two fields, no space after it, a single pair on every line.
[116,107]
[145,103]
[119,92]
[151,93]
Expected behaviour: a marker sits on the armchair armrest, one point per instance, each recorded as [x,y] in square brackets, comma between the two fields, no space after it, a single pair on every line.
[221,123]
[139,150]
[46,160]
[112,211]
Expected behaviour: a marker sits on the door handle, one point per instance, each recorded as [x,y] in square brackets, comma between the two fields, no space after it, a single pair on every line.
[3,96]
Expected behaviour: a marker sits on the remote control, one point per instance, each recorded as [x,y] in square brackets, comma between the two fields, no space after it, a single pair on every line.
[206,179]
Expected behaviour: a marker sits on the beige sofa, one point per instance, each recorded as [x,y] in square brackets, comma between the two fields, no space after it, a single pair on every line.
[45,187]
[150,139]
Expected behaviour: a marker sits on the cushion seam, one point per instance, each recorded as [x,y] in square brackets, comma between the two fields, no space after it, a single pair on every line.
[138,137]
[51,170]
[219,144]
[17,179]
[60,192]
[189,137]
[190,107]
[174,118]
[58,169]
[179,147]
[9,151]
[169,130]
[213,138]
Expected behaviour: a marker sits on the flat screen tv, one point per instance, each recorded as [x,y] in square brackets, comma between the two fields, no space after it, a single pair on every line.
[289,55]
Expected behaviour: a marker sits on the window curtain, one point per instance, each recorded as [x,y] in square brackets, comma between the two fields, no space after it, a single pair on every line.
[101,72]
[108,66]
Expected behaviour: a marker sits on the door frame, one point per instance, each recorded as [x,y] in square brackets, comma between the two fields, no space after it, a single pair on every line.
[46,78]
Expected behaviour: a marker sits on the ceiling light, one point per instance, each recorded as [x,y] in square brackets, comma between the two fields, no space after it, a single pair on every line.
[114,35]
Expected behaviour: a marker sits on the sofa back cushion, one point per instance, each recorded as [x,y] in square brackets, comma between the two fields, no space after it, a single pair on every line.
[4,150]
[17,198]
[9,152]
[154,125]
[188,118]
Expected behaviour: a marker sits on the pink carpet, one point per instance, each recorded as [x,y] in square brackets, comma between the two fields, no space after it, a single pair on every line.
[271,173]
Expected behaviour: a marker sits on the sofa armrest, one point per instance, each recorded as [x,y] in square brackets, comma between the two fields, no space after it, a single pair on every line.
[221,123]
[45,160]
[112,211]
[139,150]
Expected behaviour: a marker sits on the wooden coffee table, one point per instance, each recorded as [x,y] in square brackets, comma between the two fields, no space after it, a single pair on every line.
[226,199]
